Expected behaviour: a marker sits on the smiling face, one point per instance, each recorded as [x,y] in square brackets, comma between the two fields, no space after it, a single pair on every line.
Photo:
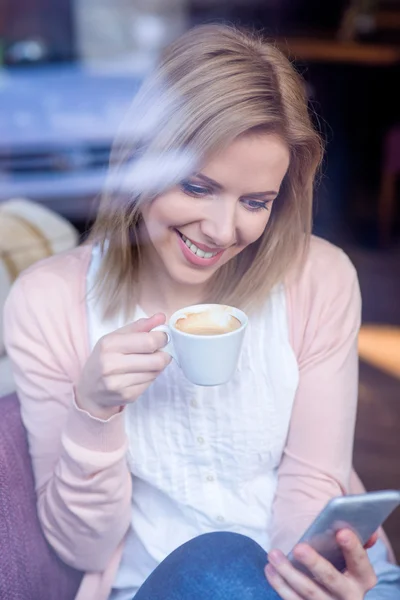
[196,227]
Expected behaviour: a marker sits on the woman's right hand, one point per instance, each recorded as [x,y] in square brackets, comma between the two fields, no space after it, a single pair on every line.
[121,367]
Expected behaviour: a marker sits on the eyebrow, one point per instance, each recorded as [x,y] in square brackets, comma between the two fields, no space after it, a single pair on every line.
[218,186]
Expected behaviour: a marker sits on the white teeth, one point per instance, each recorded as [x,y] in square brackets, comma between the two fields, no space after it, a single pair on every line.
[197,250]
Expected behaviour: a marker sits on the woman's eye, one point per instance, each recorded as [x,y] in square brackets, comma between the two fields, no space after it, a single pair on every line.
[253,205]
[193,189]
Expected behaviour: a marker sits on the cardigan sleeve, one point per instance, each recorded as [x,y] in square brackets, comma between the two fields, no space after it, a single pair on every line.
[324,313]
[82,479]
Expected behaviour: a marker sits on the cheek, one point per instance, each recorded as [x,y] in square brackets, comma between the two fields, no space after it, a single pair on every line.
[153,226]
[169,209]
[156,219]
[254,226]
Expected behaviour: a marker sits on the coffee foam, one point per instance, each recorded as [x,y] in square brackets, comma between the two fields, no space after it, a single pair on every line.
[212,321]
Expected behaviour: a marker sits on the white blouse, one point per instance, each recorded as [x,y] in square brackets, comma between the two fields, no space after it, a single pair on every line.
[205,459]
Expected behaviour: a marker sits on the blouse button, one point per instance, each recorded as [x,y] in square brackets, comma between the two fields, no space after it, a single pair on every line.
[220,518]
[200,439]
[210,478]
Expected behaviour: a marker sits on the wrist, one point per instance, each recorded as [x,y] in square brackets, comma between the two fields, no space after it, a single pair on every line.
[104,413]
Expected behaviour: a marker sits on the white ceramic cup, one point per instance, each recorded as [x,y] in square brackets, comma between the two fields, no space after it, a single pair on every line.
[205,359]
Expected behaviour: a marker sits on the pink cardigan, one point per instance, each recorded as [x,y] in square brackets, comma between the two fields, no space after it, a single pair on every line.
[82,479]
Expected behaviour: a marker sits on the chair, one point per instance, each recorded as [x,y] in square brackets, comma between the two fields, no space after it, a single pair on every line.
[29,568]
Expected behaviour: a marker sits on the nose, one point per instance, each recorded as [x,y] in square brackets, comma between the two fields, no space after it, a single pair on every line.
[219,225]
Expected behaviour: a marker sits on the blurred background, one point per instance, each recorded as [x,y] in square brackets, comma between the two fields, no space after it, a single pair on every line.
[69,69]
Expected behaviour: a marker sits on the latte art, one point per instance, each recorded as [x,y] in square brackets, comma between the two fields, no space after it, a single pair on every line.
[208,322]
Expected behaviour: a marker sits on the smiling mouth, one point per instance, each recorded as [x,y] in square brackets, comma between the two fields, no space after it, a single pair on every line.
[195,250]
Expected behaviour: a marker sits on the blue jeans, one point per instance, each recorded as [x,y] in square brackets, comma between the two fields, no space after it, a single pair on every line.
[213,566]
[388,587]
[229,566]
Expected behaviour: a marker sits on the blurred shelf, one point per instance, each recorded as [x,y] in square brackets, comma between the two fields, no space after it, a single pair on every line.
[387,19]
[335,51]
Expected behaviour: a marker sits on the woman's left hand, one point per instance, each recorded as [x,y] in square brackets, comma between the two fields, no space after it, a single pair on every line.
[329,584]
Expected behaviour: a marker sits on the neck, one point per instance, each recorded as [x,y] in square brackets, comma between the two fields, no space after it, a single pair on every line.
[158,293]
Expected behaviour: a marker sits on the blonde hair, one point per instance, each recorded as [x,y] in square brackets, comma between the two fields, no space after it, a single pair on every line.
[211,85]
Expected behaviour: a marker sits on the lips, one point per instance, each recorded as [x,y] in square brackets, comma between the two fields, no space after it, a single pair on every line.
[196,248]
[199,256]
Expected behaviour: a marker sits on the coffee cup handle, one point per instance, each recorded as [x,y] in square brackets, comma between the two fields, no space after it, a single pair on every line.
[169,347]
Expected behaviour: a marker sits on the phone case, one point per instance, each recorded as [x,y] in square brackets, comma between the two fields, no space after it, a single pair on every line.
[362,513]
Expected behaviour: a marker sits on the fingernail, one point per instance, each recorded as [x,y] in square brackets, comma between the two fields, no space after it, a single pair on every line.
[271,571]
[345,538]
[276,557]
[301,552]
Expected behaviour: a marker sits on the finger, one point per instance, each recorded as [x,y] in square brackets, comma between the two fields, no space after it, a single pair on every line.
[143,325]
[324,573]
[118,383]
[297,581]
[357,560]
[372,540]
[280,585]
[137,384]
[133,343]
[119,364]
[125,387]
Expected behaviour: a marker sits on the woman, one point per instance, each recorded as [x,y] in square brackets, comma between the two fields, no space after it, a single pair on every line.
[209,198]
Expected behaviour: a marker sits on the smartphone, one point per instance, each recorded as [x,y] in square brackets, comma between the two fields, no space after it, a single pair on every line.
[362,513]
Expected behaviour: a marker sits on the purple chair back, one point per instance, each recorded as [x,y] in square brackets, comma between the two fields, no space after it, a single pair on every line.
[29,569]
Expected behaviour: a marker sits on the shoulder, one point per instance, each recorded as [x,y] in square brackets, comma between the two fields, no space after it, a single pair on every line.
[326,271]
[50,293]
[69,267]
[53,277]
[325,264]
[324,289]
